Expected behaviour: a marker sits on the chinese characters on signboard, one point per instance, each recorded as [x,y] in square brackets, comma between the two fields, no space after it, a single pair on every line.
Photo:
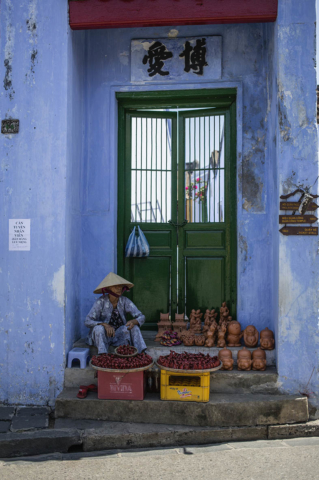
[176,59]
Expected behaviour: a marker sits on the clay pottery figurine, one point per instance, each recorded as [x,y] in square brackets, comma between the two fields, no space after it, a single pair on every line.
[211,335]
[180,325]
[267,341]
[259,359]
[251,336]
[163,325]
[221,342]
[200,340]
[188,339]
[225,356]
[195,324]
[209,318]
[224,314]
[244,359]
[234,334]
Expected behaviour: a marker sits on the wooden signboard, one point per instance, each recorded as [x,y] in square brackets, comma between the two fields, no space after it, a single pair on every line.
[297,219]
[299,231]
[292,206]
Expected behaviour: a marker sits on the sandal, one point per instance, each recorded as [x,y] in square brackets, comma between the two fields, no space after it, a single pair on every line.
[83,390]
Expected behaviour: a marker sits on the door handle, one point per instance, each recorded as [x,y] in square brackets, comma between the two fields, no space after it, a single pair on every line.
[178,224]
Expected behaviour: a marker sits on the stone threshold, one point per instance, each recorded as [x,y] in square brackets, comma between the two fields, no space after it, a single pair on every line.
[110,438]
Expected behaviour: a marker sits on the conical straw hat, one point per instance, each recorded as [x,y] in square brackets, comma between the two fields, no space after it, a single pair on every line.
[111,280]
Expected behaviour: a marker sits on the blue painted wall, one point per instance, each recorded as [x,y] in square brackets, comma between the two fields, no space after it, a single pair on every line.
[61,171]
[34,65]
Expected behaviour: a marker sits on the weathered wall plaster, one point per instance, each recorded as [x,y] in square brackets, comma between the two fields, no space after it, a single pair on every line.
[297,162]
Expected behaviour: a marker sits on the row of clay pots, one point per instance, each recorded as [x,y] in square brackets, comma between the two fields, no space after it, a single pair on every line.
[245,360]
[250,335]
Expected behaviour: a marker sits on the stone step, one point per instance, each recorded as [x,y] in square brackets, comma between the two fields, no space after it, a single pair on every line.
[223,410]
[220,382]
[155,349]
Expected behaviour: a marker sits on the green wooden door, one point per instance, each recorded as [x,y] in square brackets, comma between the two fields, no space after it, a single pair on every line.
[207,259]
[177,181]
[149,200]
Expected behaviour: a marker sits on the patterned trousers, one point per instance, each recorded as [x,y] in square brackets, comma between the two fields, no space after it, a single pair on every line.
[122,336]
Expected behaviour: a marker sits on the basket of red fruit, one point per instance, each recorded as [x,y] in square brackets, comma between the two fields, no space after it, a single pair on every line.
[189,362]
[126,351]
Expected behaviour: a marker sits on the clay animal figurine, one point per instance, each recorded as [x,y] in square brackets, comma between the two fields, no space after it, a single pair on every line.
[163,325]
[180,325]
[188,338]
[221,343]
[195,324]
[200,340]
[225,356]
[251,336]
[234,334]
[224,314]
[211,336]
[267,341]
[244,359]
[259,359]
[209,318]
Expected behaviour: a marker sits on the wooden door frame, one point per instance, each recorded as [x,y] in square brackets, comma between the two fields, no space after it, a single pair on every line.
[220,98]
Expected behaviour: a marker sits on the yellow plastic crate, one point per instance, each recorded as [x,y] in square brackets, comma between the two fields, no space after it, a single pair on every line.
[185,387]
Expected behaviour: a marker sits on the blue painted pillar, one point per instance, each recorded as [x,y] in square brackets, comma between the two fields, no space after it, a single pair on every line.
[297,162]
[34,77]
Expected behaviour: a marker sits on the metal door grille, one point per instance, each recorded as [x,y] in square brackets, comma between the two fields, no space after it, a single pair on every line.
[151,170]
[205,169]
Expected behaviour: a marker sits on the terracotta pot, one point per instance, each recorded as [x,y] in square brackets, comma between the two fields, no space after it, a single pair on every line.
[244,359]
[234,334]
[251,336]
[226,357]
[267,341]
[200,340]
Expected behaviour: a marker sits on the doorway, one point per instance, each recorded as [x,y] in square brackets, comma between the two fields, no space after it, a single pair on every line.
[177,181]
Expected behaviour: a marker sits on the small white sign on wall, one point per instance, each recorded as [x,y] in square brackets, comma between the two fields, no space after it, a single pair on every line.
[19,234]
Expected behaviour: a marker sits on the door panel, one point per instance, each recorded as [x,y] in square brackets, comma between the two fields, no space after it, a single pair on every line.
[177,181]
[204,166]
[151,278]
[150,193]
[205,280]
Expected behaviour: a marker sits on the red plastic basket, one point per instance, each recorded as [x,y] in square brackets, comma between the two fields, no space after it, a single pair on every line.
[121,386]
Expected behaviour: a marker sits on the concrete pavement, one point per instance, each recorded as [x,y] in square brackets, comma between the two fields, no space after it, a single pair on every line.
[292,459]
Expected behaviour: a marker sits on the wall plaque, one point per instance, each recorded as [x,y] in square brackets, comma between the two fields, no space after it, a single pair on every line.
[297,219]
[176,59]
[299,231]
[10,126]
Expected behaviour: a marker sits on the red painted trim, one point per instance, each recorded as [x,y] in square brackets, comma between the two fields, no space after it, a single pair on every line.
[92,14]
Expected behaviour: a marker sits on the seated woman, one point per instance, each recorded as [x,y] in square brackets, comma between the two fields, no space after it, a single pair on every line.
[106,319]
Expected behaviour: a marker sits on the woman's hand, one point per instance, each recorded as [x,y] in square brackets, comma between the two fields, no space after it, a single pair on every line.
[110,332]
[131,324]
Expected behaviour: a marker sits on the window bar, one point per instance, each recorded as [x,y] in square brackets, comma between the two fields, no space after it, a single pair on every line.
[151,168]
[136,169]
[188,172]
[219,171]
[146,174]
[214,164]
[161,158]
[200,217]
[205,189]
[166,178]
[156,149]
[194,172]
